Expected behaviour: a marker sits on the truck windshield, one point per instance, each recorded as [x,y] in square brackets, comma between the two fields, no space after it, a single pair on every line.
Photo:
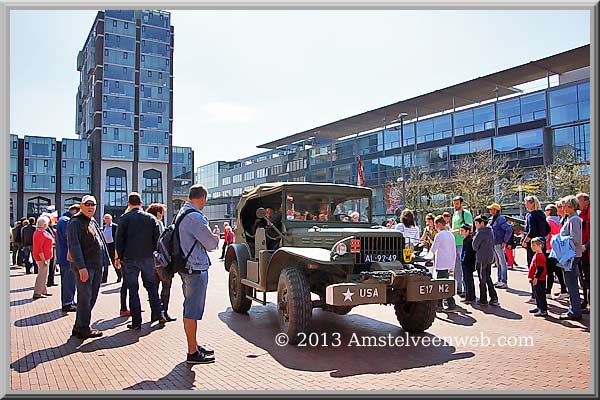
[327,208]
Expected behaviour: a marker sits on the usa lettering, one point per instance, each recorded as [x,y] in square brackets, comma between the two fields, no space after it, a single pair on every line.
[369,292]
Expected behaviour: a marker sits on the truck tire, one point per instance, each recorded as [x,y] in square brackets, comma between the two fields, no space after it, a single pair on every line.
[293,303]
[237,291]
[415,316]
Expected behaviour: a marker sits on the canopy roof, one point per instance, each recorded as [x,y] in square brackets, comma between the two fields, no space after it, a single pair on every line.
[463,94]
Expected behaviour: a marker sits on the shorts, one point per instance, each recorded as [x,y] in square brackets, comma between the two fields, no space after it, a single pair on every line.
[194,294]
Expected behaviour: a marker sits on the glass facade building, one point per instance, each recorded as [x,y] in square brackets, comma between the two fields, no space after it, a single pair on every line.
[529,128]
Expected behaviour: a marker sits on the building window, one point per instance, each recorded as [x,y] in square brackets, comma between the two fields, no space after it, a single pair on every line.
[34,179]
[159,90]
[81,164]
[120,147]
[131,148]
[126,25]
[106,52]
[160,75]
[124,116]
[160,120]
[14,145]
[115,23]
[45,163]
[115,200]
[70,180]
[141,133]
[125,55]
[64,164]
[152,191]
[117,84]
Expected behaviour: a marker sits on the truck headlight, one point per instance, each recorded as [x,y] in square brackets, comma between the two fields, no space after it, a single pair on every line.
[341,249]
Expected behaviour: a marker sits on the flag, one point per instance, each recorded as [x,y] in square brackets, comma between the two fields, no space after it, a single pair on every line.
[361,176]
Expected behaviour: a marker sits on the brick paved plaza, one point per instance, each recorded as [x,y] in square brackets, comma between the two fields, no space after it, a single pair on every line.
[45,357]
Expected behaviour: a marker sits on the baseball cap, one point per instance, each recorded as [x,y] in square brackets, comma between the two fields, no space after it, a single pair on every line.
[87,198]
[495,206]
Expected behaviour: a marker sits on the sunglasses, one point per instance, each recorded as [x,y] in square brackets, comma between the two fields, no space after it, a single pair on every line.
[89,204]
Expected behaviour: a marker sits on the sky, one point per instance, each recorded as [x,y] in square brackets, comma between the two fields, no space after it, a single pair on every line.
[244,78]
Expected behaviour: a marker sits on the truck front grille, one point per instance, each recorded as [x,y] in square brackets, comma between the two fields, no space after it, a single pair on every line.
[382,246]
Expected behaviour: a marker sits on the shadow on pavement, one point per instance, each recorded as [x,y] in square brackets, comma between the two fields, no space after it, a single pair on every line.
[498,311]
[19,290]
[20,302]
[462,317]
[40,318]
[103,324]
[348,358]
[518,292]
[73,345]
[181,377]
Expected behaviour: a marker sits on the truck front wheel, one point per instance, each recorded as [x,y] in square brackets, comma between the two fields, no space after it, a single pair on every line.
[237,291]
[293,303]
[415,316]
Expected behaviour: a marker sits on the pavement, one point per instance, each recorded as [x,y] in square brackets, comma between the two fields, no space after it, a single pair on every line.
[523,352]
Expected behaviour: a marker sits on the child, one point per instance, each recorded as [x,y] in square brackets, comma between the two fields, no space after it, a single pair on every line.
[444,250]
[467,260]
[537,277]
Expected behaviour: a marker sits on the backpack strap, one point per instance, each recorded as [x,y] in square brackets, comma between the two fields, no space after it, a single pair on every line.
[177,222]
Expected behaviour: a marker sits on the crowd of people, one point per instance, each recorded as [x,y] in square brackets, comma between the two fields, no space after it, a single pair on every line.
[84,253]
[557,242]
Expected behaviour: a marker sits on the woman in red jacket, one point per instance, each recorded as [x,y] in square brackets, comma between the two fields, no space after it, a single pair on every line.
[42,254]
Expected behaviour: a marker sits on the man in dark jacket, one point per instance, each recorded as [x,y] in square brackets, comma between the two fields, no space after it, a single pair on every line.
[68,280]
[467,260]
[483,244]
[17,255]
[87,255]
[137,235]
[502,234]
[27,239]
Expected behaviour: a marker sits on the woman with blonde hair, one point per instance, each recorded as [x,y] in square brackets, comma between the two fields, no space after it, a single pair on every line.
[42,254]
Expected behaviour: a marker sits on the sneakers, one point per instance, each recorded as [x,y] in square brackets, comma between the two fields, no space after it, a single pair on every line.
[560,296]
[200,357]
[501,285]
[534,310]
[206,350]
[481,303]
[494,303]
[540,313]
[452,309]
[69,308]
[168,318]
[498,284]
[124,313]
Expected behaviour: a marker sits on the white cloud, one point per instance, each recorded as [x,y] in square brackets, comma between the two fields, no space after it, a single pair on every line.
[226,112]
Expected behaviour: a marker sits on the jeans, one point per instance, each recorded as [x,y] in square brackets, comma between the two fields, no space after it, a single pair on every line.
[573,289]
[484,271]
[458,270]
[584,276]
[540,295]
[16,253]
[443,273]
[87,293]
[123,294]
[553,268]
[501,263]
[469,282]
[68,282]
[131,273]
[165,293]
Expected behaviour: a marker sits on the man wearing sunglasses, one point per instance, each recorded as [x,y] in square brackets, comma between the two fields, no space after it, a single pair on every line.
[87,253]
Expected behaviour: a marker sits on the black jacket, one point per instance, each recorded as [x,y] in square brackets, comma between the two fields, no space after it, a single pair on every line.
[468,260]
[87,248]
[137,235]
[536,224]
[16,233]
[27,235]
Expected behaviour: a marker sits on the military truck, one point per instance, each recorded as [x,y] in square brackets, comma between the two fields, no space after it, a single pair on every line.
[300,238]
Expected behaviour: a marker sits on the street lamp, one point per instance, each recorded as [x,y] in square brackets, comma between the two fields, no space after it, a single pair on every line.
[401,117]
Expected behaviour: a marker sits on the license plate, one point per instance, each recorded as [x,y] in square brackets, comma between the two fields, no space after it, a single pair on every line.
[352,294]
[380,257]
[432,289]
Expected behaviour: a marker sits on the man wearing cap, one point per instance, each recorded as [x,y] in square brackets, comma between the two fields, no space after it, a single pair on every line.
[502,233]
[88,255]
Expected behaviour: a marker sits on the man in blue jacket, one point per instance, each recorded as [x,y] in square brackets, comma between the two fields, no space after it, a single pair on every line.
[502,233]
[67,276]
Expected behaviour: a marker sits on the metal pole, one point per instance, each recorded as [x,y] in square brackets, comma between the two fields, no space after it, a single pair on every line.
[402,157]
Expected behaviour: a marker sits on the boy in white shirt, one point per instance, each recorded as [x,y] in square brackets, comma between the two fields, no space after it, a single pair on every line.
[444,250]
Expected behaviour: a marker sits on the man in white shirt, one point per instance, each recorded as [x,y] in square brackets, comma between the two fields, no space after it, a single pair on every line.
[444,250]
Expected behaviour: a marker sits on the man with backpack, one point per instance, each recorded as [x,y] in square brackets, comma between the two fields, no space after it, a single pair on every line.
[195,240]
[136,239]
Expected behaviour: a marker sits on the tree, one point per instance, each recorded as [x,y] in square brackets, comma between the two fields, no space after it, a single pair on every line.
[567,175]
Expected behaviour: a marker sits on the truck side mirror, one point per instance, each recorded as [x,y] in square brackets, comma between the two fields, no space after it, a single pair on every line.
[260,213]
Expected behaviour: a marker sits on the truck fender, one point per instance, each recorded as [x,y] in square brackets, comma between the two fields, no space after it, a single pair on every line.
[294,257]
[239,252]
